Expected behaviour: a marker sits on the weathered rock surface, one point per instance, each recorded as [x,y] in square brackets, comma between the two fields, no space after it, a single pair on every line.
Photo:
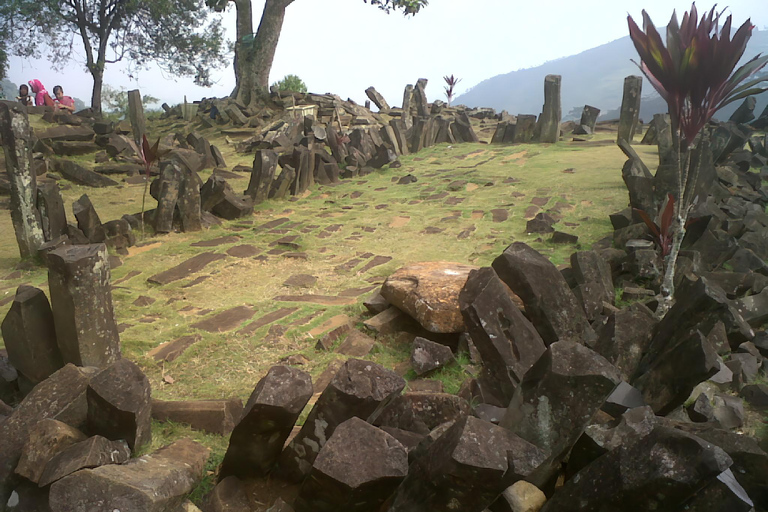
[421,412]
[266,422]
[356,470]
[507,342]
[466,469]
[30,336]
[157,482]
[358,389]
[629,478]
[212,416]
[91,453]
[427,355]
[557,399]
[81,299]
[46,439]
[549,302]
[429,293]
[119,405]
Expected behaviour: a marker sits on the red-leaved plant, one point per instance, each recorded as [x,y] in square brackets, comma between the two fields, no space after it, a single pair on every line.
[149,155]
[449,89]
[662,234]
[694,73]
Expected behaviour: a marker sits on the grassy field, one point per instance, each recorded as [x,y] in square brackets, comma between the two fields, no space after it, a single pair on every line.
[451,213]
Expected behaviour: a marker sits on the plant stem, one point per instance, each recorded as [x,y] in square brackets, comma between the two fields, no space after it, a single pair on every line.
[143,200]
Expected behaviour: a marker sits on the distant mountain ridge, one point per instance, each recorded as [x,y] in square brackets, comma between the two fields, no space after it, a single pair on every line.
[593,77]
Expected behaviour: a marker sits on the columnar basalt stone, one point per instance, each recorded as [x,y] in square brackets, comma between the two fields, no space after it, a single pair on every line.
[462,129]
[548,126]
[722,493]
[304,178]
[416,134]
[168,196]
[420,99]
[52,213]
[136,115]
[90,453]
[630,107]
[631,477]
[15,138]
[625,337]
[282,184]
[88,220]
[75,172]
[189,201]
[466,469]
[267,420]
[81,299]
[600,438]
[400,130]
[30,335]
[157,482]
[444,133]
[119,404]
[670,380]
[549,302]
[212,416]
[524,128]
[588,120]
[377,99]
[46,439]
[358,389]
[387,134]
[213,192]
[428,355]
[594,282]
[422,412]
[557,399]
[262,175]
[357,470]
[508,343]
[407,100]
[60,397]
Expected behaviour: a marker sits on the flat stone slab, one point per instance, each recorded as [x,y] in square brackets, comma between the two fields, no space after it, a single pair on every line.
[186,268]
[300,281]
[375,262]
[356,292]
[499,215]
[226,320]
[271,224]
[325,300]
[144,301]
[243,251]
[267,319]
[540,201]
[171,350]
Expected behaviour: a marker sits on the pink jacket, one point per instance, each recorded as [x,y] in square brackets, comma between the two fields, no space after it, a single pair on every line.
[39,91]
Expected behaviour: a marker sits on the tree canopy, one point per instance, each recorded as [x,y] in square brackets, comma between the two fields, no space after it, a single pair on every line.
[176,34]
[254,52]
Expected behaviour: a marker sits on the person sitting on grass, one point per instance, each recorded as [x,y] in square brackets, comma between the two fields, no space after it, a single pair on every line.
[41,95]
[63,102]
[24,98]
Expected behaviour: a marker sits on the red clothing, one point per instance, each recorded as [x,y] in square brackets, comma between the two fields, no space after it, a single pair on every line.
[39,91]
[65,100]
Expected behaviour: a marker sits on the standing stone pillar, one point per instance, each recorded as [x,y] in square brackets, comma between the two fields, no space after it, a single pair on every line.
[30,336]
[548,127]
[136,114]
[167,198]
[14,136]
[52,213]
[407,97]
[630,107]
[78,278]
[588,120]
[262,175]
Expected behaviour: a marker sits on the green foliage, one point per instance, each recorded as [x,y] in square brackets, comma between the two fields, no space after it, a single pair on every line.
[175,34]
[407,6]
[291,83]
[114,101]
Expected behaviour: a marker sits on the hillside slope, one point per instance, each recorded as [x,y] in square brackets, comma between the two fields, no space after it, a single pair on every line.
[593,77]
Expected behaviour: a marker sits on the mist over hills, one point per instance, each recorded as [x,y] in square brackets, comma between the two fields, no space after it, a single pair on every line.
[594,77]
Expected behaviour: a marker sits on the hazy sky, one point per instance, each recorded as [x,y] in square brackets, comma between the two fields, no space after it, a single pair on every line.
[345,46]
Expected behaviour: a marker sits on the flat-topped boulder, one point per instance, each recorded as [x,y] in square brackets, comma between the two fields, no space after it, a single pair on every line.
[429,292]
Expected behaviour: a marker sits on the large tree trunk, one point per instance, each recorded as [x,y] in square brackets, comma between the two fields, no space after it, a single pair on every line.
[98,81]
[243,84]
[254,61]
